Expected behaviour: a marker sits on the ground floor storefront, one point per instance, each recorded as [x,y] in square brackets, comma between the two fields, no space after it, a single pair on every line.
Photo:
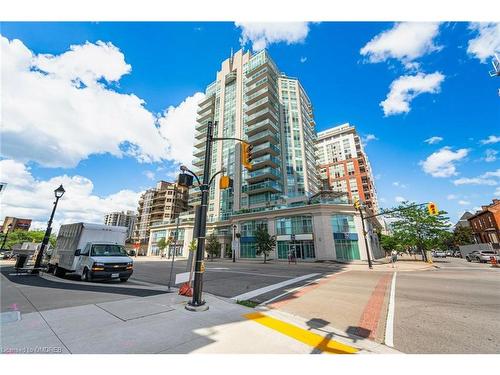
[305,233]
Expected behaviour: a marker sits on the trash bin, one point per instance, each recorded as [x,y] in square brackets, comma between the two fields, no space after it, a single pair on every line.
[21,261]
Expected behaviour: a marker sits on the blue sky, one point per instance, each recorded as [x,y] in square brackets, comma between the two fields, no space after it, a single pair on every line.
[171,61]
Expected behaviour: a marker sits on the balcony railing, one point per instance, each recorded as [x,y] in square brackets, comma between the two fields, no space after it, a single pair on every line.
[264,136]
[261,187]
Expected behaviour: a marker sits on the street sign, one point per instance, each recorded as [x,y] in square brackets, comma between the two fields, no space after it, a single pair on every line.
[182,277]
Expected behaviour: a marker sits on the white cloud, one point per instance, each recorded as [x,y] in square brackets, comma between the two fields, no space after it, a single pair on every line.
[406,41]
[91,118]
[490,140]
[442,163]
[178,126]
[303,59]
[263,34]
[406,88]
[463,203]
[368,138]
[399,199]
[487,41]
[490,155]
[28,197]
[399,184]
[433,140]
[475,181]
[492,174]
[150,175]
[451,196]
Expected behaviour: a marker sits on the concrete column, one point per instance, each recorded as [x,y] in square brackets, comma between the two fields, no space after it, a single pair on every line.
[324,247]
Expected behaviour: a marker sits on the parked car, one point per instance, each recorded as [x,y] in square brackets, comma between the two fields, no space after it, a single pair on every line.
[449,253]
[438,254]
[483,256]
[457,254]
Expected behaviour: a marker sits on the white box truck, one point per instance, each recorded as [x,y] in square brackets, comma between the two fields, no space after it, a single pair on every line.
[92,251]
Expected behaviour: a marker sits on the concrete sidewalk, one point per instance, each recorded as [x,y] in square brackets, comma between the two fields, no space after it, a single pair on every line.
[161,324]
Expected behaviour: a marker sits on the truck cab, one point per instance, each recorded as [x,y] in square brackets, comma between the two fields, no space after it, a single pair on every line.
[103,260]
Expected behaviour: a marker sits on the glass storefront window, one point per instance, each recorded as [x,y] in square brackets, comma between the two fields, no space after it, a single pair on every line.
[345,237]
[294,225]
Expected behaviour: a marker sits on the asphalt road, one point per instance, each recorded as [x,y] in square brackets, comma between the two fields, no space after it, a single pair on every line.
[453,309]
[226,279]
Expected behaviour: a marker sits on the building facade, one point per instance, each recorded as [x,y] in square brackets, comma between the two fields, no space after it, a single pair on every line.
[17,224]
[161,204]
[318,229]
[252,100]
[122,219]
[343,165]
[485,224]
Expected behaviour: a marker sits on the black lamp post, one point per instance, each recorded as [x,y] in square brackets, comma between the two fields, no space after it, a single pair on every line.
[58,193]
[9,227]
[234,242]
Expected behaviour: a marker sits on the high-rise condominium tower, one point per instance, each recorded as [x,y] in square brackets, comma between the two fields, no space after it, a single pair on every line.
[252,100]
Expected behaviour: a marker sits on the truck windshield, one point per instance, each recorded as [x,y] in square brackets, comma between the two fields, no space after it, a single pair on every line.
[107,250]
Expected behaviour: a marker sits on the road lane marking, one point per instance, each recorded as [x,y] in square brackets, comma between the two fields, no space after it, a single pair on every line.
[300,290]
[370,318]
[314,340]
[269,288]
[389,326]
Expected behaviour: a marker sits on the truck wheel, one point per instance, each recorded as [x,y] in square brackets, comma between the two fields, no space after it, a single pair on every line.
[85,275]
[58,271]
[123,279]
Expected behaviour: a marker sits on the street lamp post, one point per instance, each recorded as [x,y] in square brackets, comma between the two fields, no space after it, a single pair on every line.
[58,193]
[9,227]
[234,243]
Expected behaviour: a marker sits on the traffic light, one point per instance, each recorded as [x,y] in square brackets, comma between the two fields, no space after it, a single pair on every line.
[225,182]
[432,208]
[246,155]
[357,204]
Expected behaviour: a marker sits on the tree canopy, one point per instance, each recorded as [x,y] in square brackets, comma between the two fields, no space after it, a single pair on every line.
[212,246]
[20,236]
[264,243]
[415,227]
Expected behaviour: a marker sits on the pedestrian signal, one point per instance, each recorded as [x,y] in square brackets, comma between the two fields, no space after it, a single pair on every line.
[225,182]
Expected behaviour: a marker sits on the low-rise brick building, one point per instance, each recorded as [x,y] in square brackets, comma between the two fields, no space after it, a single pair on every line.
[485,224]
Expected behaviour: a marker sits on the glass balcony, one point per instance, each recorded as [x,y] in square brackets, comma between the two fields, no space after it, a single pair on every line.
[265,161]
[266,101]
[265,148]
[261,187]
[203,119]
[263,174]
[266,113]
[265,136]
[198,162]
[266,124]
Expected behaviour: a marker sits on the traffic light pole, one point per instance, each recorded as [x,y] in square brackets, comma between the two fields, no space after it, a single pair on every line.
[197,303]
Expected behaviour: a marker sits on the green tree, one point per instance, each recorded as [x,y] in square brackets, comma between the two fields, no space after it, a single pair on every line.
[212,246]
[264,243]
[20,236]
[463,236]
[192,246]
[416,227]
[389,243]
[162,244]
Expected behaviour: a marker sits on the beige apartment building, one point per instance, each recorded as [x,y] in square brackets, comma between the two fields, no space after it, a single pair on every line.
[160,204]
[343,165]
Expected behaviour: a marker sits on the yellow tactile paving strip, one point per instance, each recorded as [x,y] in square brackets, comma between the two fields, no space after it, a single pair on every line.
[307,337]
